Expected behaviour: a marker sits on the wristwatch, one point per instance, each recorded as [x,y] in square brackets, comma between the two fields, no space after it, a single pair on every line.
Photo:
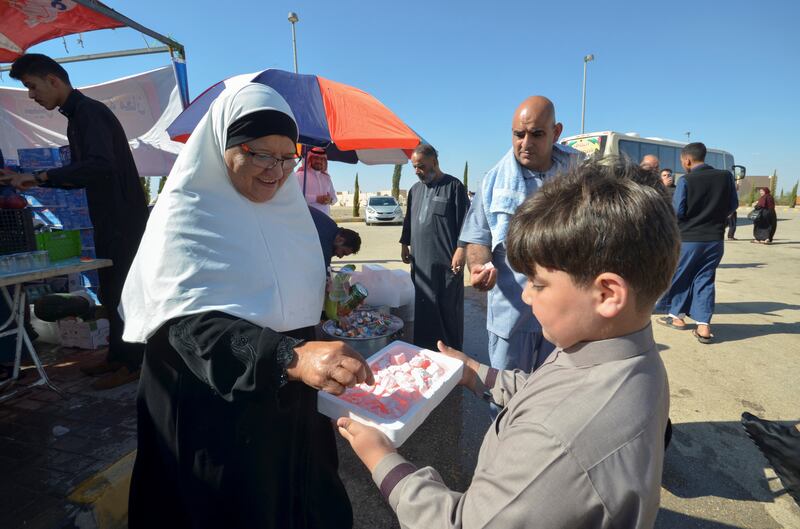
[38,178]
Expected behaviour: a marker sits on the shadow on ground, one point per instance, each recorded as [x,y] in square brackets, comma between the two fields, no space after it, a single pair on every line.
[742,265]
[732,332]
[673,520]
[716,459]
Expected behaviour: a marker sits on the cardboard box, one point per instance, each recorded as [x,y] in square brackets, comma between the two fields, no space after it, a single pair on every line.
[39,158]
[91,334]
[400,428]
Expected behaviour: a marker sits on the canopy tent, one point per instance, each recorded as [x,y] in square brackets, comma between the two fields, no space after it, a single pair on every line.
[144,103]
[25,23]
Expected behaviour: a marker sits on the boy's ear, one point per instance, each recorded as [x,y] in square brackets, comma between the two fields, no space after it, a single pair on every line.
[612,294]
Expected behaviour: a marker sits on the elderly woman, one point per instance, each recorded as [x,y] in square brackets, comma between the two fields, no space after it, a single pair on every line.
[766,223]
[226,286]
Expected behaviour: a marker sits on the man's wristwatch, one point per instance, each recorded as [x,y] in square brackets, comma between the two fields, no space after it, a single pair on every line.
[37,176]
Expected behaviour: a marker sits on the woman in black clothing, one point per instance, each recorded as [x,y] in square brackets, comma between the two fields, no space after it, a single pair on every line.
[225,289]
[766,223]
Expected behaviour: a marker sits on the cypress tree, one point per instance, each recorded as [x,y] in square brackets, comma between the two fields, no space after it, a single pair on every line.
[793,196]
[398,170]
[356,199]
[773,183]
[145,180]
[466,175]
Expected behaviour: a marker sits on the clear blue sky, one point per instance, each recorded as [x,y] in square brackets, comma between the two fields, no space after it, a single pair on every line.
[454,71]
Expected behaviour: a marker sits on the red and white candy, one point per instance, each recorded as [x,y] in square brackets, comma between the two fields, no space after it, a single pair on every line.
[400,380]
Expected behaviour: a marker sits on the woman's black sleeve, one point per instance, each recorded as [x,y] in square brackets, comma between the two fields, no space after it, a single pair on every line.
[237,359]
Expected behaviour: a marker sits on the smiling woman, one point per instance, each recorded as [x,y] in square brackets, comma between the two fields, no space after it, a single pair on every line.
[259,164]
[225,289]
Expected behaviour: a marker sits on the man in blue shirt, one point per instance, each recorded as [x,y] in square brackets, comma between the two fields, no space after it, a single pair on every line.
[704,199]
[515,337]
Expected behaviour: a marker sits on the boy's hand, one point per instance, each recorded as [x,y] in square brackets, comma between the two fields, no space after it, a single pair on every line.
[470,373]
[369,444]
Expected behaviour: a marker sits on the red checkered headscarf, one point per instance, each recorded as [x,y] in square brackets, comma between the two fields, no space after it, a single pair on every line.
[316,153]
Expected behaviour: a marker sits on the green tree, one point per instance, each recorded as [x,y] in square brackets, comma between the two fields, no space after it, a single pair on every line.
[356,199]
[466,175]
[161,182]
[398,170]
[793,195]
[773,183]
[145,180]
[753,196]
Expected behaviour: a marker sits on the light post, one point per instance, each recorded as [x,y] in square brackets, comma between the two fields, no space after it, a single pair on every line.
[586,60]
[688,134]
[293,18]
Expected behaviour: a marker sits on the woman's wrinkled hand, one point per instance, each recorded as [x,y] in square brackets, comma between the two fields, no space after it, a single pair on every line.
[369,444]
[329,366]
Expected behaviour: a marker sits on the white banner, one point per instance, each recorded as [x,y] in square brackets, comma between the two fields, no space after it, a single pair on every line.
[145,104]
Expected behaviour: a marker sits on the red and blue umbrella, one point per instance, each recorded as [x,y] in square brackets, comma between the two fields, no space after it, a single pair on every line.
[350,124]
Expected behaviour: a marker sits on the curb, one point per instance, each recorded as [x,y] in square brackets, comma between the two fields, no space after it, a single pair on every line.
[102,500]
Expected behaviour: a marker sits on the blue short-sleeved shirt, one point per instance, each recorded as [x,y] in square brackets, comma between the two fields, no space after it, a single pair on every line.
[506,313]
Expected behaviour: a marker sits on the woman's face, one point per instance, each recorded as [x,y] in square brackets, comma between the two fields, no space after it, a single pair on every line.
[245,169]
[762,192]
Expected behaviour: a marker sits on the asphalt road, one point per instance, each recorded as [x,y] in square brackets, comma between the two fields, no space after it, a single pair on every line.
[714,477]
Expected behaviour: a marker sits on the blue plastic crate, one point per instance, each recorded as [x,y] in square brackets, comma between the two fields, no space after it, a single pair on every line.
[65,154]
[87,238]
[39,158]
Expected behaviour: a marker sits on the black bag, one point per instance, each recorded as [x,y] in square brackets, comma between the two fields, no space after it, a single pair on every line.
[755,214]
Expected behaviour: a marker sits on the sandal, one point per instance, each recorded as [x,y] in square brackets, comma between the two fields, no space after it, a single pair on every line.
[703,339]
[666,321]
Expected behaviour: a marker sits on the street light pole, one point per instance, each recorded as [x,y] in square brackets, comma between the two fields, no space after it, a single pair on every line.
[688,134]
[293,18]
[586,60]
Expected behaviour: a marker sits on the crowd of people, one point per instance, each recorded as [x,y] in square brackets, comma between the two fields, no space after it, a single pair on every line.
[225,282]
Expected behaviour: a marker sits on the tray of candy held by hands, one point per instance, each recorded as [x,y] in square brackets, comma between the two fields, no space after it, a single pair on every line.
[409,383]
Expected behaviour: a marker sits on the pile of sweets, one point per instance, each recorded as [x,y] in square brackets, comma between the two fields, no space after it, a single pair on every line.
[400,380]
[362,324]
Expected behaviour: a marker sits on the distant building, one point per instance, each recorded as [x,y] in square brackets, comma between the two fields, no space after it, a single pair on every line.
[747,184]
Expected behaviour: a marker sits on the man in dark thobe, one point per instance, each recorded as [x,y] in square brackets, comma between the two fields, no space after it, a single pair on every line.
[436,208]
[101,163]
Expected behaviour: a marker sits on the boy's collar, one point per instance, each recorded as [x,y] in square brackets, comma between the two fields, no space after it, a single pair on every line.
[592,353]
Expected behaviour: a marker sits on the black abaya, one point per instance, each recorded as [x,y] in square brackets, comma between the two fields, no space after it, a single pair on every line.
[222,443]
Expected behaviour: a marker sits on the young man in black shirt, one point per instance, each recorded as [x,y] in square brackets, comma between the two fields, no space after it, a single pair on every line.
[102,164]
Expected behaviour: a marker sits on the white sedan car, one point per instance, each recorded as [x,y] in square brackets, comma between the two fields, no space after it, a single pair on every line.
[383,210]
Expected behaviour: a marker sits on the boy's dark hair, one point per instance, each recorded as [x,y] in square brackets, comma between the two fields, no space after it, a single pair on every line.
[37,65]
[351,239]
[696,151]
[602,216]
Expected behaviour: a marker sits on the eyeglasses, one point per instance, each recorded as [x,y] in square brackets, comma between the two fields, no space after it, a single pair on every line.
[267,161]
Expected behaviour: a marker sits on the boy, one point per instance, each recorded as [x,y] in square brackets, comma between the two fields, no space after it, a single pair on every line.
[580,442]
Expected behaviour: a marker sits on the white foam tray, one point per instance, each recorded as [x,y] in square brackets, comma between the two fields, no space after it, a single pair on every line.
[397,429]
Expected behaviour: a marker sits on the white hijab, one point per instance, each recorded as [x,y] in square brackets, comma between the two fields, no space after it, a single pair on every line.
[206,247]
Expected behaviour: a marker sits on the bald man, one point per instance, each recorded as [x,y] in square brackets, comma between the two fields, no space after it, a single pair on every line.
[650,161]
[515,336]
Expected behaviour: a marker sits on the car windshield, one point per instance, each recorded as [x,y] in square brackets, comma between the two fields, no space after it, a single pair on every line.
[382,201]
